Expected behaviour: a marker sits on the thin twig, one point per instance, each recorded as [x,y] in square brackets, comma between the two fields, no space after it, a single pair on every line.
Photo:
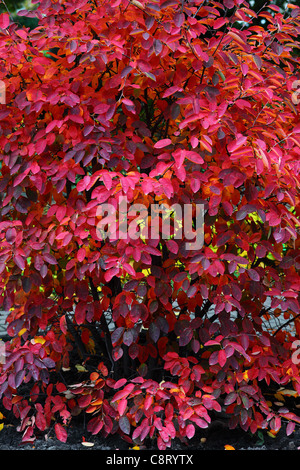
[285,324]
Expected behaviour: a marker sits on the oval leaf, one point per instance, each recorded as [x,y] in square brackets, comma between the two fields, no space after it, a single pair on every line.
[60,432]
[162,143]
[124,424]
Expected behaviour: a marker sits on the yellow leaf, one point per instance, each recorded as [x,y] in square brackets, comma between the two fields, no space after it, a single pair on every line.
[279,396]
[135,448]
[270,433]
[289,393]
[1,416]
[81,368]
[21,332]
[91,346]
[97,402]
[1,426]
[38,339]
[245,375]
[228,447]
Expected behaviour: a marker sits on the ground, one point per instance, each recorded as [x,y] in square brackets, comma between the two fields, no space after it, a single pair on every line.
[216,438]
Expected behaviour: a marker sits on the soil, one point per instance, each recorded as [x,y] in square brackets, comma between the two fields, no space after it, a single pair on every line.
[215,438]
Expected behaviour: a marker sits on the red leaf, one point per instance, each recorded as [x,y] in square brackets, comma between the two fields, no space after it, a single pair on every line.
[51,126]
[120,383]
[40,421]
[81,254]
[60,432]
[95,425]
[128,102]
[120,395]
[162,143]
[28,435]
[193,157]
[122,405]
[110,273]
[190,431]
[178,19]
[20,262]
[222,358]
[21,33]
[11,234]
[134,351]
[49,258]
[172,246]
[84,401]
[224,238]
[219,23]
[80,313]
[290,428]
[60,213]
[101,108]
[4,20]
[107,180]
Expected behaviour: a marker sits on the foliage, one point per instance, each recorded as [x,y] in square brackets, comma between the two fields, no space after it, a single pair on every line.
[162,102]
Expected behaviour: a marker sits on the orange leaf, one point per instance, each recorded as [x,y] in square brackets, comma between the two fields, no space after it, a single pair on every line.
[94,376]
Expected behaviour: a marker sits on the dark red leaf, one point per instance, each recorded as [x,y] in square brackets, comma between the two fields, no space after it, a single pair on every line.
[60,432]
[124,424]
[40,421]
[186,336]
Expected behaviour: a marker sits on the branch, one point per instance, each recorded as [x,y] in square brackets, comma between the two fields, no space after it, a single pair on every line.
[286,323]
[76,337]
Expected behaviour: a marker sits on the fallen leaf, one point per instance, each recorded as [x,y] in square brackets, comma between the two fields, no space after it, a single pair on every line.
[87,444]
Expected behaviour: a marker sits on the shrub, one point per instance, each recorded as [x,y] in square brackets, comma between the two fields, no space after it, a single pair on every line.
[179,104]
